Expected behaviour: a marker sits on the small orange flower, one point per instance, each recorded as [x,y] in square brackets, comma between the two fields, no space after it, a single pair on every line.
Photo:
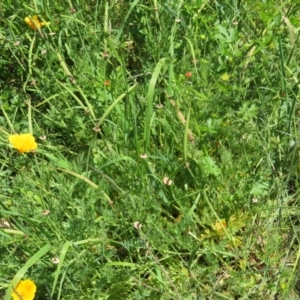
[25,290]
[23,142]
[106,82]
[188,74]
[34,22]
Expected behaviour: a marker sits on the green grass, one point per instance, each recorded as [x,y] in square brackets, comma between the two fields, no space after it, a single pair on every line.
[106,84]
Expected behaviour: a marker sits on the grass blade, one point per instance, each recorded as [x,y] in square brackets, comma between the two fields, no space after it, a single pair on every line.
[149,109]
[59,266]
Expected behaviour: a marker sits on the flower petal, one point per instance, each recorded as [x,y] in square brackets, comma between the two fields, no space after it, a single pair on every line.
[25,290]
[23,142]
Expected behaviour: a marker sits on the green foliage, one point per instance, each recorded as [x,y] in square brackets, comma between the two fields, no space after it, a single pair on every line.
[150,182]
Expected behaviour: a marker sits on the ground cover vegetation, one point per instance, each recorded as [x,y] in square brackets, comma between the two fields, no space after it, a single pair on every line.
[149,149]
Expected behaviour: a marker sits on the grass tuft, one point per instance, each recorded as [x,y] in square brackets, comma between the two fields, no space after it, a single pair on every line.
[167,164]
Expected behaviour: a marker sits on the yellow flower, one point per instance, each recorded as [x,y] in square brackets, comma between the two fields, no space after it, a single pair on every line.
[219,227]
[34,22]
[225,77]
[23,142]
[25,290]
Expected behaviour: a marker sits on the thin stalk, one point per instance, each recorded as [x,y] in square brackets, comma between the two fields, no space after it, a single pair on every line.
[185,137]
[105,28]
[29,115]
[8,120]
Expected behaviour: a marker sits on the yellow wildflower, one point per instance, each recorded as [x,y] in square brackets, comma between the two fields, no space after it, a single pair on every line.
[23,142]
[225,77]
[219,227]
[25,290]
[34,22]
